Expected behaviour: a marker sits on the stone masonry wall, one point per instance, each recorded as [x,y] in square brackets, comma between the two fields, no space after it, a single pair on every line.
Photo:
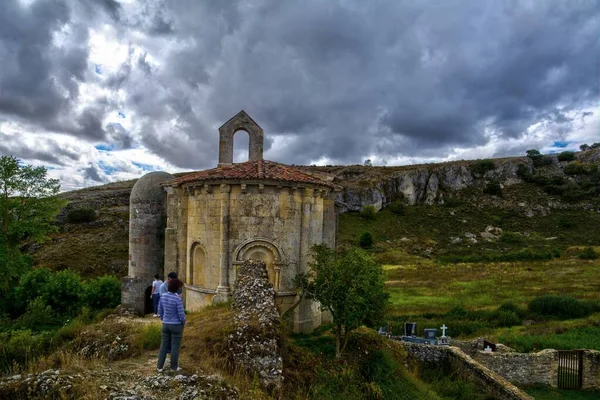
[460,363]
[523,368]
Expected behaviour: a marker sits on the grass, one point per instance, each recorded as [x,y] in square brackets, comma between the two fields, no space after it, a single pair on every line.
[548,393]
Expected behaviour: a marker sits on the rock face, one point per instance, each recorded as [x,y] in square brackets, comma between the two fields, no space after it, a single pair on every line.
[254,344]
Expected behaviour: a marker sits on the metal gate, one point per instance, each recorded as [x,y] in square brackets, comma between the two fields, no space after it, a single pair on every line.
[570,369]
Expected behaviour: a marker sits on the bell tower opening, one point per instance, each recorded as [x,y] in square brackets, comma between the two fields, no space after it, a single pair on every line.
[240,122]
[241,144]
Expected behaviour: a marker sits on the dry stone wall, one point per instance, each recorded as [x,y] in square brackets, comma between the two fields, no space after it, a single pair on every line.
[255,343]
[461,364]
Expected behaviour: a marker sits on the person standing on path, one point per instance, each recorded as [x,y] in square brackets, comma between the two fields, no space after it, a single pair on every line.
[155,296]
[172,315]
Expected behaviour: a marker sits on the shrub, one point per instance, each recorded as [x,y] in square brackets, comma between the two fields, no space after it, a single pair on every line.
[63,293]
[559,306]
[31,286]
[103,292]
[366,240]
[493,189]
[38,315]
[566,222]
[566,156]
[368,212]
[452,202]
[80,215]
[397,208]
[505,318]
[579,168]
[511,237]
[588,254]
[480,167]
[19,347]
[510,306]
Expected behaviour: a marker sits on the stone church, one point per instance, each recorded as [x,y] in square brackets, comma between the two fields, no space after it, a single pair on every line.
[205,224]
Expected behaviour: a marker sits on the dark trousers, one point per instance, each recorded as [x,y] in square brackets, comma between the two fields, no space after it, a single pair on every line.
[171,339]
[155,300]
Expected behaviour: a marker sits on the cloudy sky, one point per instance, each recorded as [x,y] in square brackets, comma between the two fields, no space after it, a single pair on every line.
[105,90]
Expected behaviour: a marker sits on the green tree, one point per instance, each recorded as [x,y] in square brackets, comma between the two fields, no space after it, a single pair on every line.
[350,286]
[28,207]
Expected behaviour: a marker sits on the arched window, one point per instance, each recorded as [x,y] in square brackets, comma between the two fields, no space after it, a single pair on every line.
[198,272]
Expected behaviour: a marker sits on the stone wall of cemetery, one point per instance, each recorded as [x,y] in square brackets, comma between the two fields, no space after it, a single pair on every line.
[464,366]
[539,368]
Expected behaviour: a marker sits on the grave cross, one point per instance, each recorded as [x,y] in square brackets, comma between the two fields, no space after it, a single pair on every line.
[443,328]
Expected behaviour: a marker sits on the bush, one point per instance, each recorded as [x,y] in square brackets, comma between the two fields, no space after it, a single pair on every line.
[566,222]
[588,254]
[37,317]
[579,168]
[366,240]
[564,307]
[80,215]
[18,348]
[63,292]
[566,156]
[103,292]
[368,212]
[493,189]
[505,319]
[31,286]
[480,167]
[510,306]
[511,237]
[397,208]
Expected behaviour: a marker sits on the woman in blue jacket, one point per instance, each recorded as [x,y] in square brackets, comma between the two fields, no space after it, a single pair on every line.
[170,311]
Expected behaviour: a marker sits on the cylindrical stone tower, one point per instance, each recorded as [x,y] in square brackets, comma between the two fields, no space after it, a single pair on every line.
[147,219]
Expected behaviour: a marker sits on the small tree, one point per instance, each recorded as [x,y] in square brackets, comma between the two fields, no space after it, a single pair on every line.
[368,212]
[566,156]
[350,287]
[584,147]
[28,206]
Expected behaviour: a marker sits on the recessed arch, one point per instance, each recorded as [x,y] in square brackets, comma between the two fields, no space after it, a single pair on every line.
[241,121]
[266,251]
[199,273]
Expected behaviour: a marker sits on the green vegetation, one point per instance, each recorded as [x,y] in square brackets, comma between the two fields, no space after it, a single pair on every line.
[368,212]
[548,393]
[480,167]
[566,156]
[349,286]
[397,207]
[366,240]
[588,254]
[578,168]
[493,189]
[563,307]
[28,206]
[80,215]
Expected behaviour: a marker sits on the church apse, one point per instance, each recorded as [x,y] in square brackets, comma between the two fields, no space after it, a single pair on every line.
[257,209]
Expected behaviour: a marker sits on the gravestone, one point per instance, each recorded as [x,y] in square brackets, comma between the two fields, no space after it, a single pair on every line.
[409,328]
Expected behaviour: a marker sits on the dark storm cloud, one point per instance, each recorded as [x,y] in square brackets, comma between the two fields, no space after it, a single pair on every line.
[336,80]
[44,52]
[46,151]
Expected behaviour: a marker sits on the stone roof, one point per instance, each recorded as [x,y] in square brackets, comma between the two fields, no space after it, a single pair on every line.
[252,170]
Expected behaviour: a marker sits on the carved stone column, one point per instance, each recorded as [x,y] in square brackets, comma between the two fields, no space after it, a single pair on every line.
[223,291]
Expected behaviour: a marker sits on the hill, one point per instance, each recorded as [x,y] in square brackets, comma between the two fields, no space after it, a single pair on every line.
[517,191]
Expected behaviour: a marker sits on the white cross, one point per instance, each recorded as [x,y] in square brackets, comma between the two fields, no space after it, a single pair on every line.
[488,348]
[443,328]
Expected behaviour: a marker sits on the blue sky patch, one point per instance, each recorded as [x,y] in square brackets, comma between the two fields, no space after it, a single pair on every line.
[98,69]
[108,170]
[105,147]
[145,167]
[560,145]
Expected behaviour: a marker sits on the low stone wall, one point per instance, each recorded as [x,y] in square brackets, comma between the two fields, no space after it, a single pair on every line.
[523,368]
[469,369]
[539,368]
[591,369]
